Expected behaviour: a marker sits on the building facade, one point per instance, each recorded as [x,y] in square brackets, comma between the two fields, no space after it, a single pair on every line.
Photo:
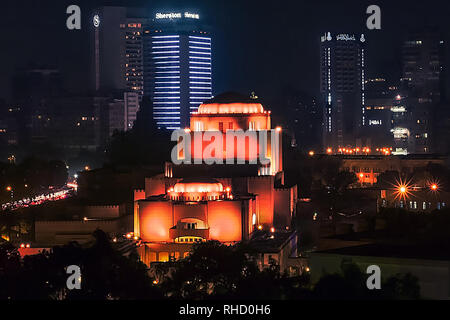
[181,207]
[342,89]
[423,79]
[177,67]
[117,53]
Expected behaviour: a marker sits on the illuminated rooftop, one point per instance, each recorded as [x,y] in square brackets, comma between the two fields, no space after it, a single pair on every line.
[230,102]
[198,185]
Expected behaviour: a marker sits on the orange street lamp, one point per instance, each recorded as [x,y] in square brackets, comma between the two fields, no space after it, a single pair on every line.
[10,189]
[402,189]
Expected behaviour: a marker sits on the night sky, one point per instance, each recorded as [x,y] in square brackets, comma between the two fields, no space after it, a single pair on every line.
[261,46]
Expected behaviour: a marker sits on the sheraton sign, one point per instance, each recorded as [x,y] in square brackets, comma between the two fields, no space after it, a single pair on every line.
[177,15]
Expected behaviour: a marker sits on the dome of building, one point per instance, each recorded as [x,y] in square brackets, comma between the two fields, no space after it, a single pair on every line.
[198,186]
[230,102]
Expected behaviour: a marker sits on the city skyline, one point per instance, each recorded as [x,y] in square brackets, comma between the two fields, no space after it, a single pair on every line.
[224,150]
[296,67]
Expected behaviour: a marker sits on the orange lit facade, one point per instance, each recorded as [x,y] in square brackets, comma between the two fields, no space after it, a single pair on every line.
[243,129]
[190,203]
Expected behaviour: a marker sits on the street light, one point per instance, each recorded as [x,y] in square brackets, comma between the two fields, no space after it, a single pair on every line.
[9,188]
[402,191]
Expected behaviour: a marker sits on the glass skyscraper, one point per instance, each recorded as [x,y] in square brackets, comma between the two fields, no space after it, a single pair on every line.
[177,67]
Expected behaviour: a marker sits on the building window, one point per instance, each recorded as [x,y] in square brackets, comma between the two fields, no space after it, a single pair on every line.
[191,226]
[198,126]
[220,126]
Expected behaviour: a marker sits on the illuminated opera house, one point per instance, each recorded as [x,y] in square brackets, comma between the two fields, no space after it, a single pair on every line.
[194,201]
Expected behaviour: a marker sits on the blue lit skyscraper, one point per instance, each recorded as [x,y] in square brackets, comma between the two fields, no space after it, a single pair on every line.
[177,67]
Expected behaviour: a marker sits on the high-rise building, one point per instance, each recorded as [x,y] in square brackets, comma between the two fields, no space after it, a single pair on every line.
[342,89]
[386,117]
[422,62]
[177,66]
[423,79]
[303,118]
[117,49]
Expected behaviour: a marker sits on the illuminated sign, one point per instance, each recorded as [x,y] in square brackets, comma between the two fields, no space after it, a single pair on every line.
[96,21]
[345,37]
[177,15]
[191,15]
[400,133]
[398,109]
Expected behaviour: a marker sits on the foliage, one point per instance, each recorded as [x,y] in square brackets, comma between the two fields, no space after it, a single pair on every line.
[429,228]
[212,271]
[106,273]
[350,284]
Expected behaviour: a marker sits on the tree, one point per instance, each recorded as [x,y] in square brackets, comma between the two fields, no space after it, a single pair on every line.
[350,284]
[105,273]
[9,270]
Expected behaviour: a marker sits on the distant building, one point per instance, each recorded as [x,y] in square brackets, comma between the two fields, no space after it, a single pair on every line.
[177,66]
[415,198]
[117,49]
[386,117]
[423,78]
[422,62]
[303,118]
[116,116]
[368,168]
[342,78]
[30,87]
[131,109]
[76,123]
